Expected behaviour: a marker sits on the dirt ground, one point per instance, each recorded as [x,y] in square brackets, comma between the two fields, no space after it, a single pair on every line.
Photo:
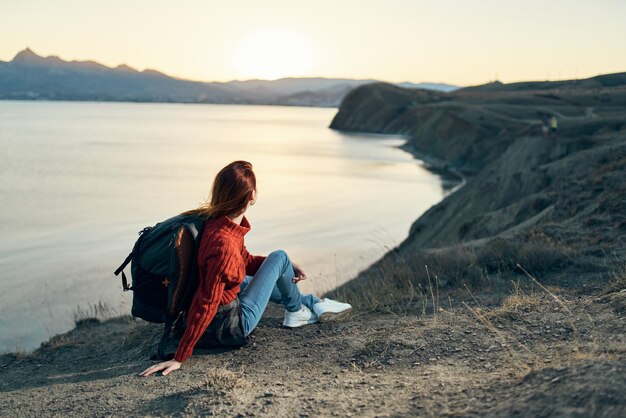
[535,354]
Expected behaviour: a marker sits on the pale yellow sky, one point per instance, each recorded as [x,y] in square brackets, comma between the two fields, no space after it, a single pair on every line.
[459,42]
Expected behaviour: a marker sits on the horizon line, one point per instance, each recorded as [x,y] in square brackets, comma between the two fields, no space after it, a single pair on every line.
[237,80]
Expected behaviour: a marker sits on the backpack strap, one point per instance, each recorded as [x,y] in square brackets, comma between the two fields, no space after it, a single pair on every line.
[193,229]
[120,269]
[170,331]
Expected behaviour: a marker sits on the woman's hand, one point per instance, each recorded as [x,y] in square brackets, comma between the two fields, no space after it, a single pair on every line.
[166,366]
[299,274]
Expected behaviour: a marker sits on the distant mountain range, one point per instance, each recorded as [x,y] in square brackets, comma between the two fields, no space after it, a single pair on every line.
[32,77]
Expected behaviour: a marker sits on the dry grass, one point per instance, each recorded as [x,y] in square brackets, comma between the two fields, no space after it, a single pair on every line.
[536,250]
[503,338]
[519,301]
[556,310]
[401,281]
[15,354]
[93,312]
[83,316]
[62,340]
[223,381]
[617,281]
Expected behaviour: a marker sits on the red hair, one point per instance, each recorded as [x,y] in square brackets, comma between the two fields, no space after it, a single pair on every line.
[232,189]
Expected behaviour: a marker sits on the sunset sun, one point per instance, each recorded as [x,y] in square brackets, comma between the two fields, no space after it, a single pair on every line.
[274,53]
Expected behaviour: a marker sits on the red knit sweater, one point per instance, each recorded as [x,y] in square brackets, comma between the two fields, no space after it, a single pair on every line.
[223,262]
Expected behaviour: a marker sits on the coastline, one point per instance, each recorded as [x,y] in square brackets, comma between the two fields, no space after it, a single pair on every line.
[449,173]
[453,178]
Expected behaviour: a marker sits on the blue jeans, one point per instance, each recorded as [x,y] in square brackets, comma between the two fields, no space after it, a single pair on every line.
[272,281]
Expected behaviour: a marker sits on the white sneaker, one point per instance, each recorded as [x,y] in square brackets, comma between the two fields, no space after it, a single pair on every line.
[331,310]
[298,318]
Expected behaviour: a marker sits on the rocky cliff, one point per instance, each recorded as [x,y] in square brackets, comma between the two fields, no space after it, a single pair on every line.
[568,186]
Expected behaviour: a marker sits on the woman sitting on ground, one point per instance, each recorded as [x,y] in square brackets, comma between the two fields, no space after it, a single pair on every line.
[235,287]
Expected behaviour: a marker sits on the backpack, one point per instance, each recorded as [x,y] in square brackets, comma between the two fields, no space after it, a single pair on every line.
[164,274]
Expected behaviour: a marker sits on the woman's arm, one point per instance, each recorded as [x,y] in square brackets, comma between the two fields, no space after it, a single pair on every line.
[253,262]
[203,308]
[299,274]
[219,266]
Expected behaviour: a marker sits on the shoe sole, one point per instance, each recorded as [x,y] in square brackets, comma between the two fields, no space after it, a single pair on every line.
[334,316]
[300,324]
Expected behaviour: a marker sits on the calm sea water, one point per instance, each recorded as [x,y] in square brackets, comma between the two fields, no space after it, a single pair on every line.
[78,180]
